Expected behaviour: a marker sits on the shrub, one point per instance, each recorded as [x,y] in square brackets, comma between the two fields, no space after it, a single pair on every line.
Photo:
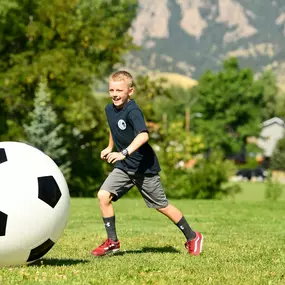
[277,161]
[206,181]
[273,189]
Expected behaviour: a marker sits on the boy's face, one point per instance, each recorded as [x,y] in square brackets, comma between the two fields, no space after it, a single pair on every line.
[120,93]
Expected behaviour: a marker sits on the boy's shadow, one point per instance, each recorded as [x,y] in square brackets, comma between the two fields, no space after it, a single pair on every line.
[57,262]
[165,249]
[69,262]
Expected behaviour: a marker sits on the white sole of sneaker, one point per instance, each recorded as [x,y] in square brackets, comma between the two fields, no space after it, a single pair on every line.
[114,251]
[107,253]
[201,244]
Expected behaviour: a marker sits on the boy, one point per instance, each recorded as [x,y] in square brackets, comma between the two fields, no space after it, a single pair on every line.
[135,164]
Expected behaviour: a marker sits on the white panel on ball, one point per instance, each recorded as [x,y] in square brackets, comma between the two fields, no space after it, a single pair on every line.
[34,203]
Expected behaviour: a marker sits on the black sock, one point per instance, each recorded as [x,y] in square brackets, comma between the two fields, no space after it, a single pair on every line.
[185,228]
[110,227]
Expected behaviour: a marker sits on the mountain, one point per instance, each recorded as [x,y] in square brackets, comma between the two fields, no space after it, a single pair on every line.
[190,36]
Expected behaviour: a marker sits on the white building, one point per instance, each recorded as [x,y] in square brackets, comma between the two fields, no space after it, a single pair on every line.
[272,131]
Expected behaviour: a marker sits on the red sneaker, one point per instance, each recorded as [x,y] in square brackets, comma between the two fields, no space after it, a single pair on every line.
[108,246]
[195,245]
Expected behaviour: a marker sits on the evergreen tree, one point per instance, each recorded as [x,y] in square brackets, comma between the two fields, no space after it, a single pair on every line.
[43,132]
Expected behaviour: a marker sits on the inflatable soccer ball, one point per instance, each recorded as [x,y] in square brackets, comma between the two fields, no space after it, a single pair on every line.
[34,203]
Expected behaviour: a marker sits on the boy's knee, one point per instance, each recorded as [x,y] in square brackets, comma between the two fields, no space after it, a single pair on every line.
[163,210]
[104,196]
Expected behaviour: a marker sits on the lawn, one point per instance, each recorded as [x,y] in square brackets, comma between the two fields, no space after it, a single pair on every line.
[253,192]
[244,244]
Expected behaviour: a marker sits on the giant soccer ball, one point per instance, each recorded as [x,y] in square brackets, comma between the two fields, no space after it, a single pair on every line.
[34,203]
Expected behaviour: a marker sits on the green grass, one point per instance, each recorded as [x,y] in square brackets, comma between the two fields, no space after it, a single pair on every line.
[244,244]
[253,192]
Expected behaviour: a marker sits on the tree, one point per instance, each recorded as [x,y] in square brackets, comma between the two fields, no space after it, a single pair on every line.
[175,106]
[267,87]
[44,132]
[147,92]
[69,43]
[280,109]
[231,103]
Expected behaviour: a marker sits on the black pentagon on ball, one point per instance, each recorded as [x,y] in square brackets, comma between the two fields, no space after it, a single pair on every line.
[49,191]
[40,250]
[3,156]
[3,223]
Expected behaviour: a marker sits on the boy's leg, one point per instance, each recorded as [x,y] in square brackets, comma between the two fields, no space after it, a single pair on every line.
[108,214]
[177,218]
[106,206]
[111,244]
[154,196]
[114,187]
[194,240]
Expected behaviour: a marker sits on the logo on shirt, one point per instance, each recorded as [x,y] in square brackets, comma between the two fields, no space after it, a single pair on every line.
[122,124]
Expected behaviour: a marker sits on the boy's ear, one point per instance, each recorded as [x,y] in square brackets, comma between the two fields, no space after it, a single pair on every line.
[131,90]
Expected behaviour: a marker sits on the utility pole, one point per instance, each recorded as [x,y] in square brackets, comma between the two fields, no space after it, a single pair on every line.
[187,119]
[187,129]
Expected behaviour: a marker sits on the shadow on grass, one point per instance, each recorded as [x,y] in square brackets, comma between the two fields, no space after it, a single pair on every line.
[165,249]
[57,262]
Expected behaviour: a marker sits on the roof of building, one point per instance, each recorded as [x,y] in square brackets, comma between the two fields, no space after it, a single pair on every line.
[274,120]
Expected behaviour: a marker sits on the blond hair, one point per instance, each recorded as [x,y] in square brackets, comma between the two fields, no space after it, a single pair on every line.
[123,75]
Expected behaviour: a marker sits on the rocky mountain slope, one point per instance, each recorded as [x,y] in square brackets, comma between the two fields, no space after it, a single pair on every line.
[191,36]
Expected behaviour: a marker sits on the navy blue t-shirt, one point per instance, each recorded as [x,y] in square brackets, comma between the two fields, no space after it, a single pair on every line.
[125,124]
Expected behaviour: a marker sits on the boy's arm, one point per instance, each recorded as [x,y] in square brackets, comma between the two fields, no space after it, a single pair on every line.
[137,142]
[108,149]
[111,142]
[137,121]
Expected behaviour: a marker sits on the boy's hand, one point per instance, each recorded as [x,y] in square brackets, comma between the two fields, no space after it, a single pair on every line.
[114,157]
[105,152]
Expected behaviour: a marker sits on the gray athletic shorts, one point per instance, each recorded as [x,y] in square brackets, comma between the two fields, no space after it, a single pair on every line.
[119,183]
